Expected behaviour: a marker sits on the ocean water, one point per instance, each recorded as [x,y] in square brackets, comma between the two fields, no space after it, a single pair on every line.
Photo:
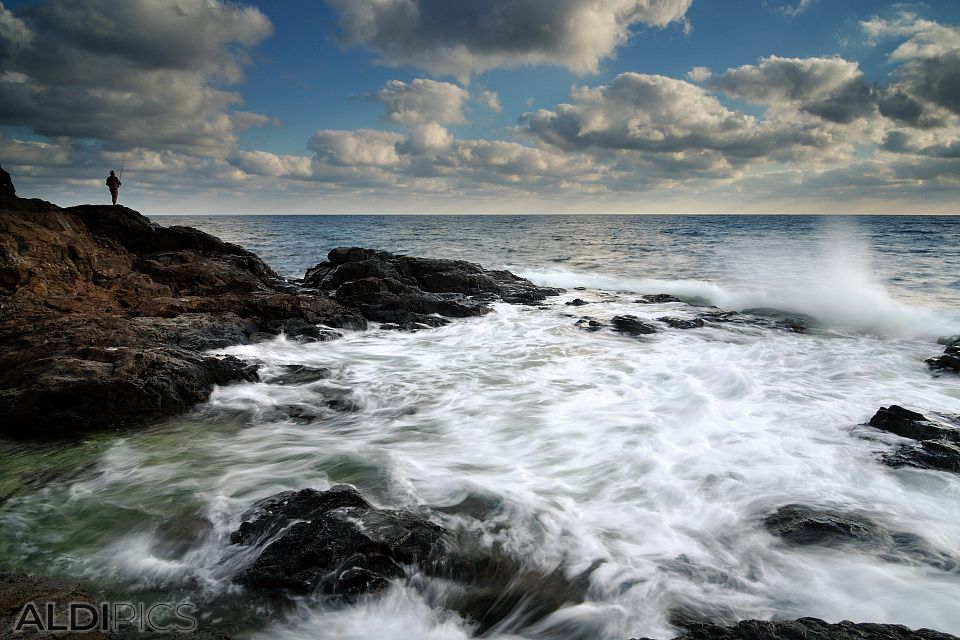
[643,466]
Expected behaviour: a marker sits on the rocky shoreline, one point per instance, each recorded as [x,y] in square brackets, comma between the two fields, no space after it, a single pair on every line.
[106,320]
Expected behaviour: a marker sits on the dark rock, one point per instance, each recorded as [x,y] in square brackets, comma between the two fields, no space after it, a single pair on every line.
[632,325]
[338,543]
[408,291]
[807,629]
[949,360]
[301,374]
[910,424]
[589,324]
[6,184]
[657,298]
[941,455]
[796,322]
[949,341]
[577,302]
[17,590]
[802,525]
[682,323]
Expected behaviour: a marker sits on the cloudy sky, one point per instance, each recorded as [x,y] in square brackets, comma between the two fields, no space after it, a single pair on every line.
[485,106]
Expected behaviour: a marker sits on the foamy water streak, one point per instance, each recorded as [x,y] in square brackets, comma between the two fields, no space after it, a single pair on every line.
[646,464]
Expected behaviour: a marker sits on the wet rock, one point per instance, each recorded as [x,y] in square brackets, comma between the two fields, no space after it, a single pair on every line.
[807,526]
[940,455]
[796,322]
[910,424]
[589,324]
[301,374]
[802,525]
[949,341]
[18,590]
[632,325]
[682,323]
[338,544]
[577,302]
[950,360]
[806,629]
[409,291]
[938,441]
[657,298]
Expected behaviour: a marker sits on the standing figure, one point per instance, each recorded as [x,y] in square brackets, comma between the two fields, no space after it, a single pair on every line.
[114,183]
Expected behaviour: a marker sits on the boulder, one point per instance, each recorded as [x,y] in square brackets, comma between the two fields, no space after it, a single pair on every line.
[682,323]
[910,424]
[632,325]
[938,441]
[657,298]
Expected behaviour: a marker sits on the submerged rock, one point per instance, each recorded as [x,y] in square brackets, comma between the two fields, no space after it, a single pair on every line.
[411,292]
[806,629]
[950,359]
[577,302]
[589,324]
[632,325]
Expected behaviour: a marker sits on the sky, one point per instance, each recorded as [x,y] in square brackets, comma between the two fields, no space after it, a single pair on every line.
[485,106]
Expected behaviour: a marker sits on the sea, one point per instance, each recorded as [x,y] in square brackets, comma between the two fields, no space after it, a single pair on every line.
[641,467]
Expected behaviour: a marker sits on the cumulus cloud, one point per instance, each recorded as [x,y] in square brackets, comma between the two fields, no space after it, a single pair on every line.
[662,115]
[129,73]
[423,101]
[469,36]
[699,74]
[832,88]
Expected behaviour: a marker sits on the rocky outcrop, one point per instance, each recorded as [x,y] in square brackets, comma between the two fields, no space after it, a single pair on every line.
[413,292]
[806,629]
[938,441]
[103,316]
[682,323]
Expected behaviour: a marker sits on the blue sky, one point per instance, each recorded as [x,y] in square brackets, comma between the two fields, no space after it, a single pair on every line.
[485,106]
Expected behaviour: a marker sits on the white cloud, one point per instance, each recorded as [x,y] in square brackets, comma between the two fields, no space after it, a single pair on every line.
[423,101]
[129,73]
[491,100]
[470,36]
[699,74]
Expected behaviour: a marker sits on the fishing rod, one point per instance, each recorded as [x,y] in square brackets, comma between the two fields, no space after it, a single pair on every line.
[122,162]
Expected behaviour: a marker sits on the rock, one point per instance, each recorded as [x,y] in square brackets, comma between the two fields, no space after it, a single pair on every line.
[949,360]
[682,323]
[949,341]
[806,629]
[577,302]
[301,374]
[796,322]
[338,544]
[657,298]
[941,455]
[589,324]
[413,292]
[632,325]
[806,526]
[802,525]
[938,444]
[910,424]
[104,315]
[6,184]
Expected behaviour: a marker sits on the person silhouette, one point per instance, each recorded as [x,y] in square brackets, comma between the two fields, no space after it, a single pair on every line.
[114,183]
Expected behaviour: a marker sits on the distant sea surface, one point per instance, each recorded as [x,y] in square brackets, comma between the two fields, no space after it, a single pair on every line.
[643,465]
